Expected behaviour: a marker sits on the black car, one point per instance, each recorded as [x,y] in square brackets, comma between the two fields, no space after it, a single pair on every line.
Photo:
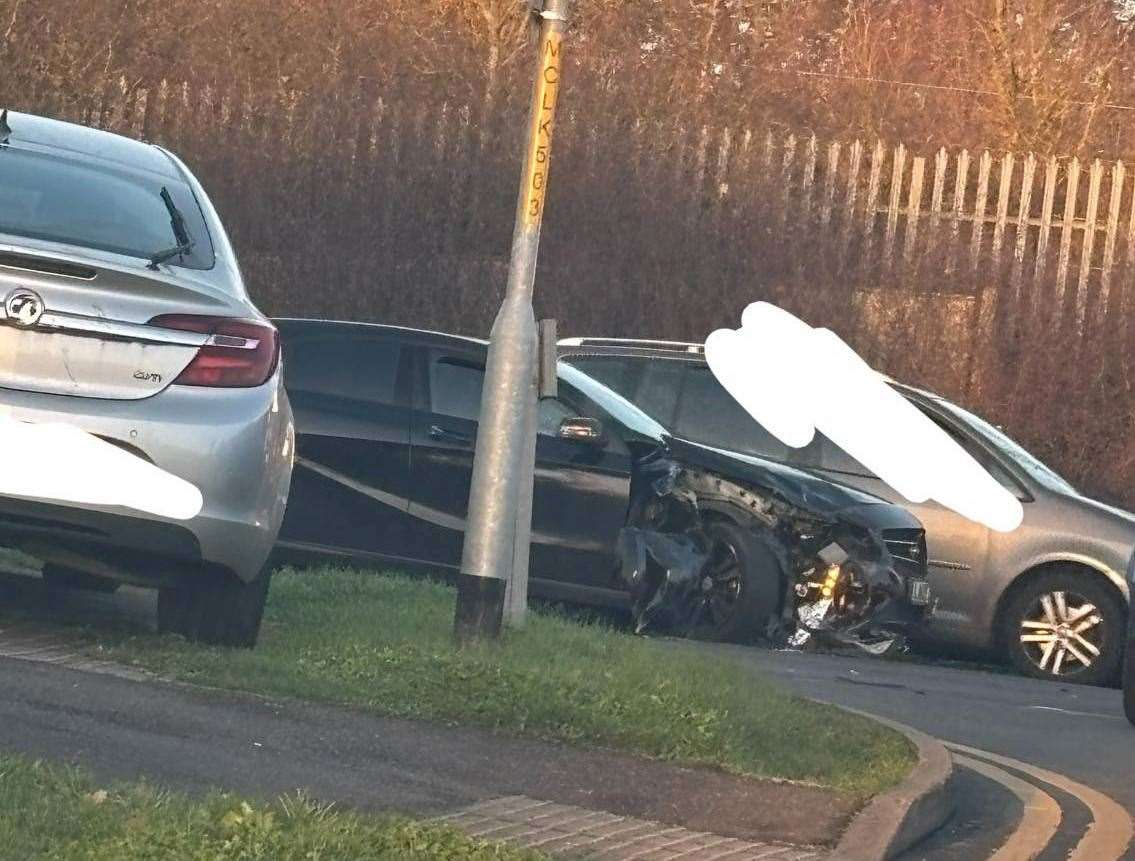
[689,538]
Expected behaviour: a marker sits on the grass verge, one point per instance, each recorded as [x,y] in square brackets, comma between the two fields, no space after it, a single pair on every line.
[383,642]
[58,813]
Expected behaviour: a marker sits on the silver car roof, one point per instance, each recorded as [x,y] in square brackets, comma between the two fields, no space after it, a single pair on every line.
[35,132]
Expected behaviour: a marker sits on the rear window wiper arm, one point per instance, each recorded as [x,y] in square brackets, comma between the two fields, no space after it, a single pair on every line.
[177,224]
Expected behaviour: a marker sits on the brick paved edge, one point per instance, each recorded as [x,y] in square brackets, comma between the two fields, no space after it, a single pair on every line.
[894,821]
[563,830]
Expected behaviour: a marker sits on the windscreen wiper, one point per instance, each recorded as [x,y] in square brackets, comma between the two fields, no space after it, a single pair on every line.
[177,224]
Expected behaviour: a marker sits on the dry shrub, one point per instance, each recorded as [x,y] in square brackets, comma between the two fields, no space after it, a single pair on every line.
[366,163]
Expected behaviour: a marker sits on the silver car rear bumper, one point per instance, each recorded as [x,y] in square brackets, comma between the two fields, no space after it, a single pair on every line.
[235,445]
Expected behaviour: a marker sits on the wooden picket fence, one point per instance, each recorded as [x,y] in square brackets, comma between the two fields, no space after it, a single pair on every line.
[1050,220]
[1001,279]
[1049,229]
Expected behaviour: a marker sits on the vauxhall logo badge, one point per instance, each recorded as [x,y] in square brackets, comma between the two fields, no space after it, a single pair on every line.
[24,308]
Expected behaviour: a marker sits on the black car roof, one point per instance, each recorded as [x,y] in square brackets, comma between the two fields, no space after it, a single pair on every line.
[307,325]
[682,351]
[632,347]
[40,133]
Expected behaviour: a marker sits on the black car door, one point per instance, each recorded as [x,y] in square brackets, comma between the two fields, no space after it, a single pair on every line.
[350,393]
[581,491]
[580,499]
[447,402]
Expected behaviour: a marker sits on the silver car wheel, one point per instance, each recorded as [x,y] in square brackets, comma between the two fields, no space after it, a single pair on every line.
[1062,634]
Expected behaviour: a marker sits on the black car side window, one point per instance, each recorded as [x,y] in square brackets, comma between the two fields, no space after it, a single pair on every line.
[659,388]
[343,367]
[651,384]
[616,373]
[708,414]
[455,388]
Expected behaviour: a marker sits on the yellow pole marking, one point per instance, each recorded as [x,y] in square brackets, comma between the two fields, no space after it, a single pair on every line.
[538,160]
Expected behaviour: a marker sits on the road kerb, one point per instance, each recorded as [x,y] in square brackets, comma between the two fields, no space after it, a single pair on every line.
[895,820]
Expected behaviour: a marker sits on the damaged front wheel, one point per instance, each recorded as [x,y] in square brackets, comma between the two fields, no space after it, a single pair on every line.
[739,587]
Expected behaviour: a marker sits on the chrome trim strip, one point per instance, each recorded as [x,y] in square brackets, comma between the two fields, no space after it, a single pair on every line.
[949,566]
[424,512]
[100,327]
[676,346]
[233,342]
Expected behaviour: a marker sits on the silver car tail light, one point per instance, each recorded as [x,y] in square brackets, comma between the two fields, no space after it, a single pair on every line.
[237,354]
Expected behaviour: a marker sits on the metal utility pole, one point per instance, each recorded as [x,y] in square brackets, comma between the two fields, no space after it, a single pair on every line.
[502,462]
[544,386]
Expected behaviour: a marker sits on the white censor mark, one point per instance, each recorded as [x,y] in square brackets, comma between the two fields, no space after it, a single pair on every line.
[61,463]
[820,383]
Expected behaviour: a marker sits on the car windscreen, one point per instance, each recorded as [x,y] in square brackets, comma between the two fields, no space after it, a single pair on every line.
[618,407]
[1039,472]
[58,199]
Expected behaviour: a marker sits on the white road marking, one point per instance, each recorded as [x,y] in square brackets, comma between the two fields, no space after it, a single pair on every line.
[1111,830]
[1041,818]
[1075,713]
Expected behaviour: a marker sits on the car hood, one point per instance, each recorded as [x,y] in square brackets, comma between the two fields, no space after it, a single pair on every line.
[795,486]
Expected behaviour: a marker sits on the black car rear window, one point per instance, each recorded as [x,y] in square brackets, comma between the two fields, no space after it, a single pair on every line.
[351,368]
[455,388]
[55,199]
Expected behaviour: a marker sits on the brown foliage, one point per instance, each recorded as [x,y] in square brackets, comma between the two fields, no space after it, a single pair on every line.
[1001,73]
[333,138]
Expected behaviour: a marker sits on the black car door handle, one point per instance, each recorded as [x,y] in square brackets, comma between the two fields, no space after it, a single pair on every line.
[439,433]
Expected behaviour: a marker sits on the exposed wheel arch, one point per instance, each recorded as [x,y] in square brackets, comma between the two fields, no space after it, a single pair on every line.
[719,510]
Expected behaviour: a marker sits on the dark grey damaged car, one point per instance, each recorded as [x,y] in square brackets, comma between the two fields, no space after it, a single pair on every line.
[692,539]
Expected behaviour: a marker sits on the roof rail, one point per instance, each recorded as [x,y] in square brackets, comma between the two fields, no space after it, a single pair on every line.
[640,343]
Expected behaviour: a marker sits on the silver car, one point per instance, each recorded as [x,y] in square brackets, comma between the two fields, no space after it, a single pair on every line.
[1052,595]
[124,315]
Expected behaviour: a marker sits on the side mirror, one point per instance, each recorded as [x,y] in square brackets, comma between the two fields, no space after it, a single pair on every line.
[582,429]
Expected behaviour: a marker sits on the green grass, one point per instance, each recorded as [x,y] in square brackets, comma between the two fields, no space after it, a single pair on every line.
[58,813]
[383,642]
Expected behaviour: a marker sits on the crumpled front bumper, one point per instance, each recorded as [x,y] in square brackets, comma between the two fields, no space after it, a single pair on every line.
[662,572]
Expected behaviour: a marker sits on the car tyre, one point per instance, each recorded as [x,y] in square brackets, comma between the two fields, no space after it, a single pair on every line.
[63,578]
[1129,681]
[759,582]
[1026,614]
[215,608]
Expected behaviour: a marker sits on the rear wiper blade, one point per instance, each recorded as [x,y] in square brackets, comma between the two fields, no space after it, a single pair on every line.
[177,224]
[169,254]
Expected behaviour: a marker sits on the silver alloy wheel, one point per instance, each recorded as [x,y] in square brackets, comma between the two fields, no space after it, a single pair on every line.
[1062,633]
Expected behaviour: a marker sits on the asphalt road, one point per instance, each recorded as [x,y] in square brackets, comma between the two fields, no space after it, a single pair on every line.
[1076,736]
[1076,732]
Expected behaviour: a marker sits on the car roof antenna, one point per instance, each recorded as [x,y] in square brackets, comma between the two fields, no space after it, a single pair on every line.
[5,129]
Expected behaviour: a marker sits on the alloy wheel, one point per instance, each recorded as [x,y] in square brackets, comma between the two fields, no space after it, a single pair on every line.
[1062,633]
[720,584]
